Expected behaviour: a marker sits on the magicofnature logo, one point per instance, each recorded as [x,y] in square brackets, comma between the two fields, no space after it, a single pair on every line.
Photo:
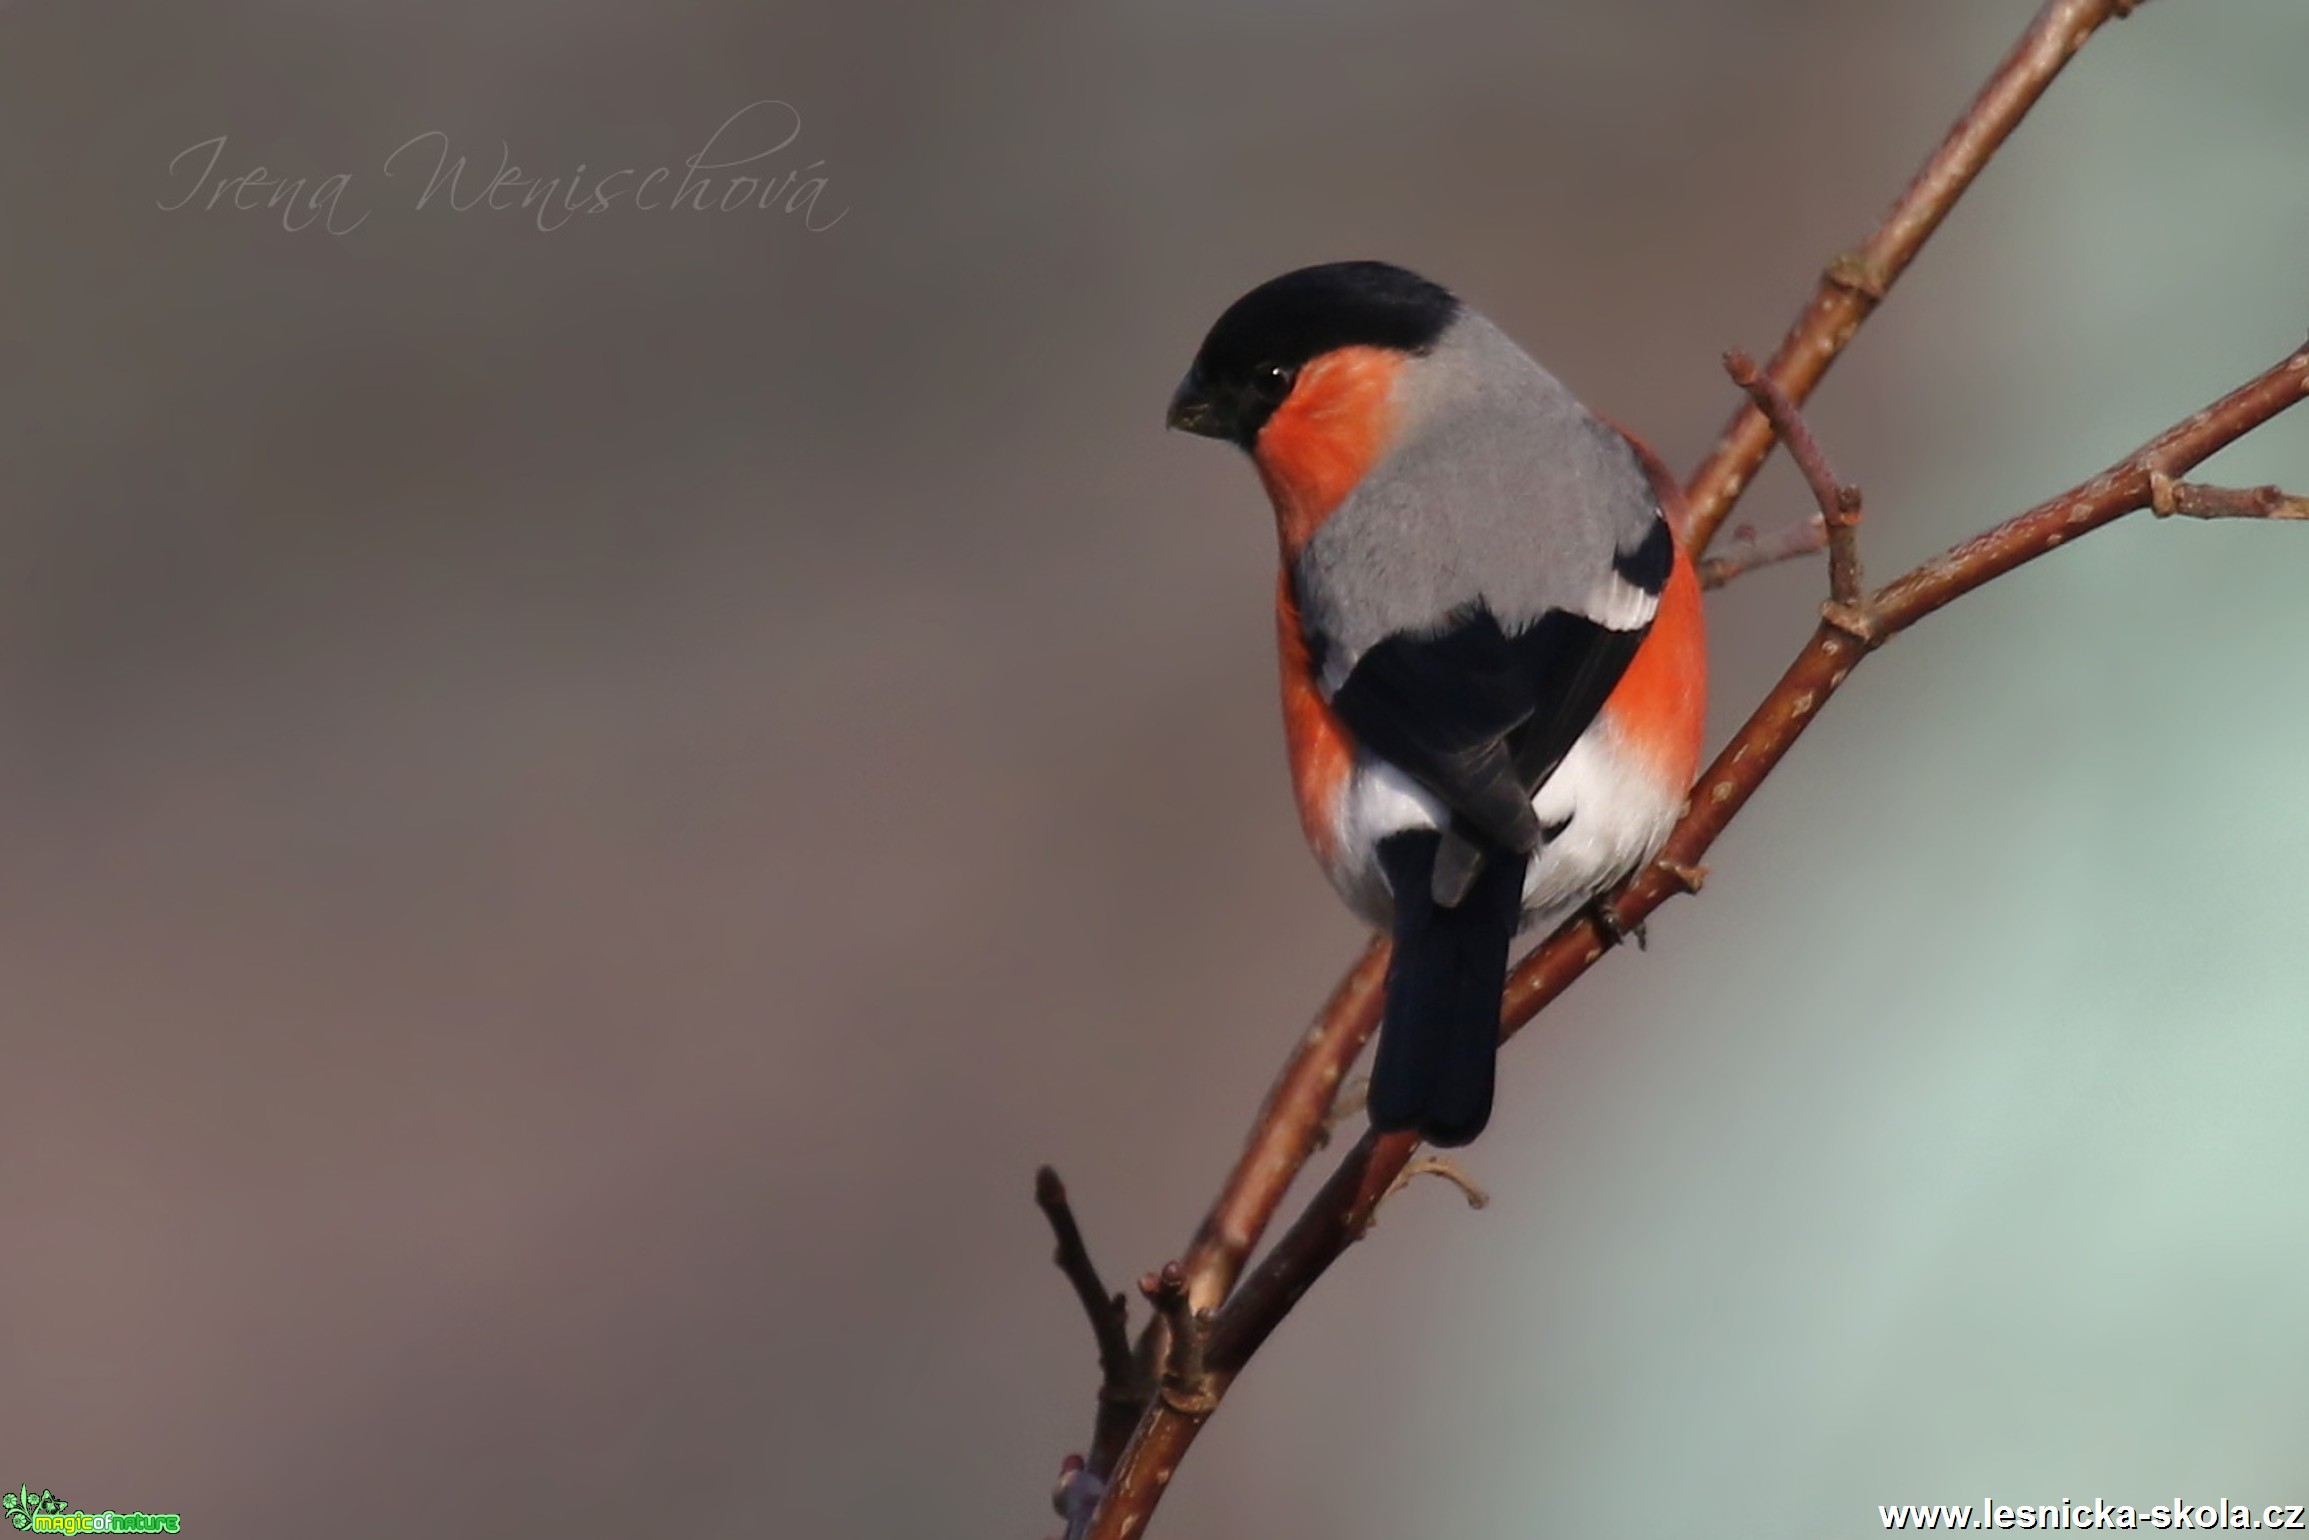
[46,1513]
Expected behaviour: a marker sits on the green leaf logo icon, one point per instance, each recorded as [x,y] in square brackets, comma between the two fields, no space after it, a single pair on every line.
[23,1507]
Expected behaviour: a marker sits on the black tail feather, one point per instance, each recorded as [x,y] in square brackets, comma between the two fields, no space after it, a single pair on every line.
[1440,1034]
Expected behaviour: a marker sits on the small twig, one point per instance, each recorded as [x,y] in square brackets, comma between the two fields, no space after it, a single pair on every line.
[1686,877]
[1788,424]
[1749,550]
[1109,1313]
[1122,1388]
[1839,501]
[2201,500]
[1450,1171]
[1186,1386]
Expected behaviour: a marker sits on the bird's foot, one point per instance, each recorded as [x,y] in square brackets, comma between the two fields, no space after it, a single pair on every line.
[1608,921]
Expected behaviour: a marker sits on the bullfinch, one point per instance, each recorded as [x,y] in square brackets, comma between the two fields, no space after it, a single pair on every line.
[1494,671]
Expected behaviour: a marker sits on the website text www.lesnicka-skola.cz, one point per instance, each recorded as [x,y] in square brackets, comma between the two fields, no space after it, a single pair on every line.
[2097,1514]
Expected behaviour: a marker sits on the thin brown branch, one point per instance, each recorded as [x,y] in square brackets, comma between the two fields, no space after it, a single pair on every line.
[1856,283]
[1839,501]
[1291,1125]
[1341,1210]
[1748,550]
[2198,500]
[1123,1389]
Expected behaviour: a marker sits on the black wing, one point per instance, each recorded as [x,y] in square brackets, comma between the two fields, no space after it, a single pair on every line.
[1482,718]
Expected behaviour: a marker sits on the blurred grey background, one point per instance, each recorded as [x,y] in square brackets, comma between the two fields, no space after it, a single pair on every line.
[578,808]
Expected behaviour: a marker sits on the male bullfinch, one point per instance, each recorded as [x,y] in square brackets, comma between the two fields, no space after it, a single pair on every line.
[1493,664]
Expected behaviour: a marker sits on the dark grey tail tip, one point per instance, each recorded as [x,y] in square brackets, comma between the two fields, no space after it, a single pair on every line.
[1444,1135]
[1452,1136]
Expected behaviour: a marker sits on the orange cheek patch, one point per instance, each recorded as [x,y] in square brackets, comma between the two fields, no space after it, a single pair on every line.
[1336,423]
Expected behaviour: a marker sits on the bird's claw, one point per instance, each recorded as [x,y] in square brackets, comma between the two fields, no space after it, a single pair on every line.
[1607,920]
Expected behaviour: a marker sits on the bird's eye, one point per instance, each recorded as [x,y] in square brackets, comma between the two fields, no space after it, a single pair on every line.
[1273,382]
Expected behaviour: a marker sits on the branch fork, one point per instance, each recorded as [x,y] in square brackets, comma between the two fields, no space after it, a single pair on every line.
[1187,1386]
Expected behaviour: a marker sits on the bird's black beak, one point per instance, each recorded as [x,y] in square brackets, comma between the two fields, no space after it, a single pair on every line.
[1193,411]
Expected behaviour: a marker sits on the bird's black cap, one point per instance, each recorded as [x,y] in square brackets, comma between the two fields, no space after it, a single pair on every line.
[1247,362]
